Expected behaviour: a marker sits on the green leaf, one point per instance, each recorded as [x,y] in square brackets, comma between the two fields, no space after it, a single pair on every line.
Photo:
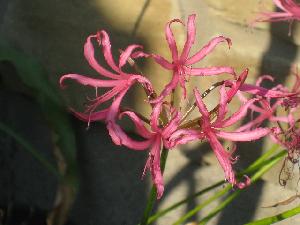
[274,219]
[268,164]
[252,168]
[34,76]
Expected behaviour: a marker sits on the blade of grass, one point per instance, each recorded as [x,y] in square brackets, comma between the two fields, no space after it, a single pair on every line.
[174,206]
[202,205]
[268,165]
[34,76]
[261,159]
[279,217]
[254,166]
[30,149]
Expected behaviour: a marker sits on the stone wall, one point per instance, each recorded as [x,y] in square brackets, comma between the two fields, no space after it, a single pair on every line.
[55,31]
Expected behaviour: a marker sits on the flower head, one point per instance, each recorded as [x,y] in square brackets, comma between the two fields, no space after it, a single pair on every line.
[290,10]
[211,129]
[118,81]
[155,138]
[181,64]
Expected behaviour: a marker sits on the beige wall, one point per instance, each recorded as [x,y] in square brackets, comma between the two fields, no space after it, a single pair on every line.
[55,31]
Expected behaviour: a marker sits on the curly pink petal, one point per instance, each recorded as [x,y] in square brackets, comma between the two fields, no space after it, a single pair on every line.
[208,71]
[207,49]
[171,40]
[87,81]
[103,40]
[190,38]
[89,54]
[245,135]
[127,53]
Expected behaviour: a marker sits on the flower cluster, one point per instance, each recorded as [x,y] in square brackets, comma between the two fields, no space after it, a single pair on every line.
[167,126]
[289,11]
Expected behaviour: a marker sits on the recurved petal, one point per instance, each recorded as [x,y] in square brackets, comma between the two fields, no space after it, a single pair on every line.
[89,54]
[279,5]
[190,38]
[127,53]
[157,177]
[103,39]
[244,135]
[235,86]
[208,71]
[162,61]
[115,106]
[223,157]
[238,115]
[262,78]
[119,137]
[139,124]
[154,117]
[87,81]
[184,136]
[168,89]
[256,90]
[292,7]
[246,183]
[201,106]
[172,125]
[91,117]
[222,106]
[171,40]
[207,49]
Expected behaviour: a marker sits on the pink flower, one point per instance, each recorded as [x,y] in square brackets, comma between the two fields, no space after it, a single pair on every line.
[290,140]
[118,81]
[154,139]
[212,130]
[270,100]
[292,102]
[181,65]
[290,11]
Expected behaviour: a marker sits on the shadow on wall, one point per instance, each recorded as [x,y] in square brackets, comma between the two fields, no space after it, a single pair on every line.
[277,62]
[54,32]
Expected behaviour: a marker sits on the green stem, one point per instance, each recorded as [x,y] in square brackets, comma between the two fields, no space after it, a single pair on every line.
[251,169]
[202,205]
[152,196]
[268,165]
[273,219]
[165,211]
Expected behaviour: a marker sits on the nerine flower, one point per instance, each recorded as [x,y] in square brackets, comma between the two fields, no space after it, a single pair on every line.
[181,64]
[290,11]
[118,81]
[270,100]
[293,102]
[212,130]
[288,139]
[155,138]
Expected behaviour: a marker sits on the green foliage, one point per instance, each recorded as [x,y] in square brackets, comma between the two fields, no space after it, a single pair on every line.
[35,77]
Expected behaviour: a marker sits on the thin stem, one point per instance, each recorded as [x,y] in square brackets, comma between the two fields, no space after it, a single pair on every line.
[152,196]
[265,166]
[268,165]
[139,19]
[204,94]
[274,219]
[165,211]
[251,169]
[202,205]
